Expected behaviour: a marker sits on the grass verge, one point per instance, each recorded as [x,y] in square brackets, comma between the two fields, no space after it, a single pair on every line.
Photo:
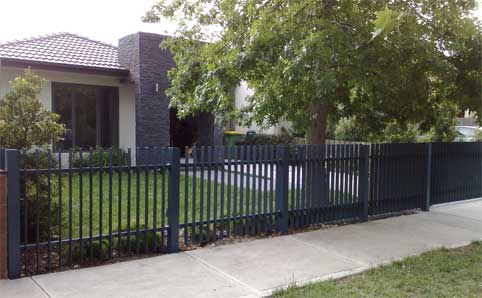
[438,273]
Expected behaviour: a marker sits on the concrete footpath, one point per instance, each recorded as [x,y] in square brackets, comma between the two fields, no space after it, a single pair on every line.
[255,268]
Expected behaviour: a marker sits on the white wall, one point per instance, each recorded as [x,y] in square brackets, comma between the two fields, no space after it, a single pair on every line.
[127,104]
[240,95]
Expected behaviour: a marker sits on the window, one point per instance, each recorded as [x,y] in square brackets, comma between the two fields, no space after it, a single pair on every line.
[90,114]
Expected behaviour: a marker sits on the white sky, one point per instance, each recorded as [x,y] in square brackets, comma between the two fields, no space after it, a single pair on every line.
[104,20]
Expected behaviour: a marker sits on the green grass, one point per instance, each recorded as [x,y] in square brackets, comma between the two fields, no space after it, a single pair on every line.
[95,197]
[438,273]
[140,200]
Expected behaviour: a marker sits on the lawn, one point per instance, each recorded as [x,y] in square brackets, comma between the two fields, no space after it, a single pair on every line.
[438,273]
[100,203]
[111,195]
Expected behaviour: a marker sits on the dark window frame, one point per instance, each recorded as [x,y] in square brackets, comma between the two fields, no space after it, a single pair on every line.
[113,93]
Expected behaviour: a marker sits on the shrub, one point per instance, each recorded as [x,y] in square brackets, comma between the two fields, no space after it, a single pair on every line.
[34,193]
[100,249]
[284,138]
[25,123]
[100,157]
[397,133]
[353,129]
[350,129]
[444,122]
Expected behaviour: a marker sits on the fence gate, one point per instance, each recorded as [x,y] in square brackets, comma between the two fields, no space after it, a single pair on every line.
[398,177]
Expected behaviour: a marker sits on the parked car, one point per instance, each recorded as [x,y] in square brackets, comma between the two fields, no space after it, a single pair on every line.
[468,133]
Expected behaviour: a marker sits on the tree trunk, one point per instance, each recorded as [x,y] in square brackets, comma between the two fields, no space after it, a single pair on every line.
[316,131]
[317,186]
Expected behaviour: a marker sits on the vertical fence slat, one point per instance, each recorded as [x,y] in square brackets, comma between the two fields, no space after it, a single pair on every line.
[201,195]
[364,181]
[186,194]
[282,173]
[156,165]
[147,161]
[208,195]
[26,204]
[215,192]
[426,206]
[194,191]
[173,201]
[129,177]
[222,198]
[252,176]
[229,192]
[13,211]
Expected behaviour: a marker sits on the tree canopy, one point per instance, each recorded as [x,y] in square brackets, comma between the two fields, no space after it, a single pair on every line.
[311,62]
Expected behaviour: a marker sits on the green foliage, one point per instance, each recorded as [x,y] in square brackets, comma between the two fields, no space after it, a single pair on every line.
[478,135]
[152,237]
[306,60]
[353,129]
[284,138]
[34,193]
[395,133]
[350,129]
[100,157]
[100,249]
[386,21]
[444,122]
[24,122]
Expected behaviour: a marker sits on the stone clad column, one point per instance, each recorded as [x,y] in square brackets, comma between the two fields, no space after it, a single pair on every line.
[148,66]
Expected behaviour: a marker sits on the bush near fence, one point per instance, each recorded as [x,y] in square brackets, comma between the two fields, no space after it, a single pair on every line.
[103,208]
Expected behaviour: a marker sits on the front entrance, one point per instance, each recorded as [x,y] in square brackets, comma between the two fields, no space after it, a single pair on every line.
[183,132]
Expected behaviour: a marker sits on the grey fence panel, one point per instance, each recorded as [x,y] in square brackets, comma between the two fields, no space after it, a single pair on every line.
[96,207]
[398,177]
[456,172]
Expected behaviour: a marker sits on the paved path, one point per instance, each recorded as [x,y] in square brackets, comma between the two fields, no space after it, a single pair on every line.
[255,268]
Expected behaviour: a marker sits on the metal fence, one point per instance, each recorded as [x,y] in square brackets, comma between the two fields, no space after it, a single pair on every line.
[398,177]
[456,171]
[88,207]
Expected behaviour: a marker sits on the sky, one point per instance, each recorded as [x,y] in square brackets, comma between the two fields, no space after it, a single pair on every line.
[104,20]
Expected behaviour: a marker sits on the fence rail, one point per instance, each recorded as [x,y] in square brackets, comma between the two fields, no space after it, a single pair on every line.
[82,208]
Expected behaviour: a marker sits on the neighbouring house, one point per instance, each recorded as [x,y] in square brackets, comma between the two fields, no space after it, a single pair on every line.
[110,96]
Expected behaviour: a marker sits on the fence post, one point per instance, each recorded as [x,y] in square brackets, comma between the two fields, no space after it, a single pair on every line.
[3,225]
[426,205]
[282,180]
[173,200]
[13,217]
[363,181]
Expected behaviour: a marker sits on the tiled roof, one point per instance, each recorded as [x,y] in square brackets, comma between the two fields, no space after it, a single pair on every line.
[63,48]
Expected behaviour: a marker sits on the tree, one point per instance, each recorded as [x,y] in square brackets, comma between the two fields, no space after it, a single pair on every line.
[311,62]
[24,122]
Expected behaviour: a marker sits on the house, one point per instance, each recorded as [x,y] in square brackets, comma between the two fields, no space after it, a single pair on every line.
[106,95]
[110,96]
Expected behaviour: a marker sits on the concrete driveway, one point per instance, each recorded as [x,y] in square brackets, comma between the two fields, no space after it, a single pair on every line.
[255,268]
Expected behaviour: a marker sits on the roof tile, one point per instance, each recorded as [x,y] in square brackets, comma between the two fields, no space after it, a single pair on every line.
[64,48]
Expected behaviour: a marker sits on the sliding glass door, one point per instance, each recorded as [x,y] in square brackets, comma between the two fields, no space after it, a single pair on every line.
[90,113]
